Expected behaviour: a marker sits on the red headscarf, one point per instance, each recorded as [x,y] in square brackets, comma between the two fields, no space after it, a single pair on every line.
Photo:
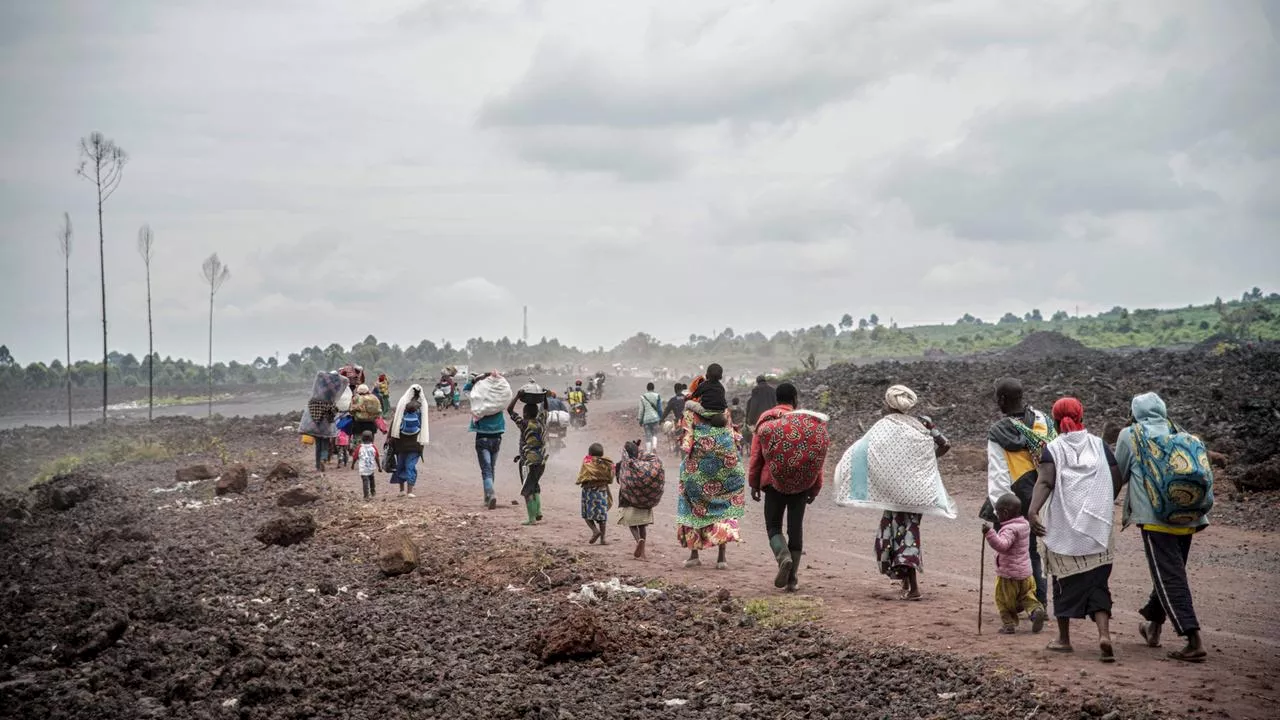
[1069,414]
[693,384]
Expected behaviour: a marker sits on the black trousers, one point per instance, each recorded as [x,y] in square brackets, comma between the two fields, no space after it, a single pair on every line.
[532,476]
[366,484]
[1170,593]
[775,506]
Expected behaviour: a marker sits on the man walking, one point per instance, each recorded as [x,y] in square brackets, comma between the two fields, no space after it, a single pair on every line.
[489,431]
[1166,545]
[763,397]
[1014,446]
[650,416]
[787,457]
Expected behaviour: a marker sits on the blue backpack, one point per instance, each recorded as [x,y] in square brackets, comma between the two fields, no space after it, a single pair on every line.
[411,423]
[1176,475]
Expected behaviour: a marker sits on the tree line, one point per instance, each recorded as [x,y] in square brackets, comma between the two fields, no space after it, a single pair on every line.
[1254,315]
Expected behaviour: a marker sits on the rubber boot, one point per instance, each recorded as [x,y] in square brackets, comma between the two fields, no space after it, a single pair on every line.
[537,507]
[778,544]
[530,509]
[795,565]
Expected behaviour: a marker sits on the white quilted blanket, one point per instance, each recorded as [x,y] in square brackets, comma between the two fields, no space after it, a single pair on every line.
[893,467]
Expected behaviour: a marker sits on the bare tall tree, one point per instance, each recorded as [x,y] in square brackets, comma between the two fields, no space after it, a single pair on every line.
[102,163]
[215,273]
[146,243]
[64,246]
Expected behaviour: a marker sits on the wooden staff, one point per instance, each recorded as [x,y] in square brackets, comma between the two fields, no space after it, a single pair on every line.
[982,577]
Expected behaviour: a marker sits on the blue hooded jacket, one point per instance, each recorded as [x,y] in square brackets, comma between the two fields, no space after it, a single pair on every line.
[1149,410]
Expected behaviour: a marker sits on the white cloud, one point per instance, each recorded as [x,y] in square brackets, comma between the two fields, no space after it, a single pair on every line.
[608,163]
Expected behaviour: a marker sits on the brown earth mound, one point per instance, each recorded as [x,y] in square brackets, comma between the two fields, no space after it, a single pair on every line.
[1044,344]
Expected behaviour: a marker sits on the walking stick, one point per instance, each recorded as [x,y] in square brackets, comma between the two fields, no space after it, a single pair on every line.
[982,578]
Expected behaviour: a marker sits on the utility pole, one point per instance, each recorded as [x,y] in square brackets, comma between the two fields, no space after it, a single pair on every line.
[526,324]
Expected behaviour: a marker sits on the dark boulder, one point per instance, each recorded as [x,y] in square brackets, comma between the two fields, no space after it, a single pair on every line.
[297,496]
[579,635]
[397,554]
[234,480]
[282,471]
[286,530]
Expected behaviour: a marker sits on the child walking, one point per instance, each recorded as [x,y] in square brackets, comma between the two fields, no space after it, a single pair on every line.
[594,478]
[344,448]
[533,451]
[1015,586]
[368,461]
[640,484]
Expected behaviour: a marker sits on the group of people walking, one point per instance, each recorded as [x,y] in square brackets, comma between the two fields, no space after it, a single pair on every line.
[1052,488]
[343,417]
[1048,511]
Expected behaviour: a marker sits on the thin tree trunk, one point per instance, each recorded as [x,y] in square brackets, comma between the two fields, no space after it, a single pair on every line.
[151,354]
[211,349]
[102,264]
[67,273]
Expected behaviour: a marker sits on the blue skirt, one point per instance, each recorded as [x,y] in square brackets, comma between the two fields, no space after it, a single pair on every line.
[406,469]
[595,504]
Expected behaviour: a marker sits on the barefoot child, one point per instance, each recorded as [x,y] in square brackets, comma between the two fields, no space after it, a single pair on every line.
[368,461]
[594,478]
[1015,585]
[640,484]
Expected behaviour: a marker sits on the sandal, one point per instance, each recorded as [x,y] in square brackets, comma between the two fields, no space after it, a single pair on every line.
[1150,633]
[1191,656]
[1107,653]
[692,563]
[1055,646]
[906,595]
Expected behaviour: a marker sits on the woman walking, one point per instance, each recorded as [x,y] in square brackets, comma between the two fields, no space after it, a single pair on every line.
[894,468]
[1077,485]
[409,434]
[318,419]
[712,484]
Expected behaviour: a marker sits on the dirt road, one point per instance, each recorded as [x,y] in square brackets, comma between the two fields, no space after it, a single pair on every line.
[1233,572]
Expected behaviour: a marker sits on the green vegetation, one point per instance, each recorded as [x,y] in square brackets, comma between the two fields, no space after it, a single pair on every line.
[775,612]
[1254,316]
[101,455]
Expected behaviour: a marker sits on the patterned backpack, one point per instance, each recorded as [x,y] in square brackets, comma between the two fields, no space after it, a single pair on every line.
[1176,474]
[795,445]
[641,480]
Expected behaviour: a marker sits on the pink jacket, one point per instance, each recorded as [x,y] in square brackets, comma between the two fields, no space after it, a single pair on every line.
[1012,545]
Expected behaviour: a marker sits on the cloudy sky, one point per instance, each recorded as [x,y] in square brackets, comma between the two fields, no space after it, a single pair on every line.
[419,169]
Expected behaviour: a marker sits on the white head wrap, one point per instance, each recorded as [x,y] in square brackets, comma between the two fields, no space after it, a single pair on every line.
[900,398]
